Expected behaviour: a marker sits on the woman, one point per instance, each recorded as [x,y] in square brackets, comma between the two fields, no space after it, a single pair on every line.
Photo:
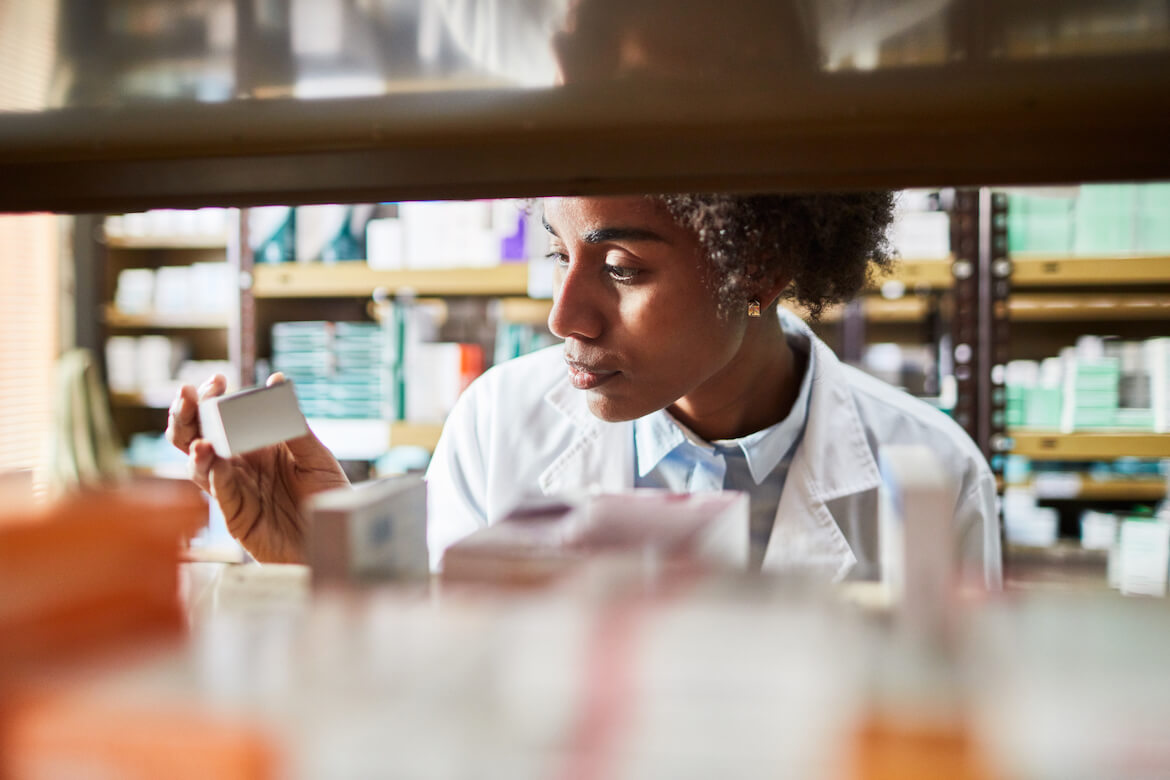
[676,371]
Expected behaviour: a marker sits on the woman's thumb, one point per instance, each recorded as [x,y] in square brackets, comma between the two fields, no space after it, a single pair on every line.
[308,449]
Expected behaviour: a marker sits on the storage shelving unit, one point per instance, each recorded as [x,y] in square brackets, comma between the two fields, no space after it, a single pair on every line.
[1001,94]
[208,334]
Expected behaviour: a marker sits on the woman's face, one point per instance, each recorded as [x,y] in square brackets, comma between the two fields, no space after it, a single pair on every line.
[632,302]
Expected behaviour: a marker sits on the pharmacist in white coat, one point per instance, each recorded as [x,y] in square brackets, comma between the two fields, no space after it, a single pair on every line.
[676,372]
[664,381]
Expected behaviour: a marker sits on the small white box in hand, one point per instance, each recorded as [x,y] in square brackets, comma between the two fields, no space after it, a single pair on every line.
[251,419]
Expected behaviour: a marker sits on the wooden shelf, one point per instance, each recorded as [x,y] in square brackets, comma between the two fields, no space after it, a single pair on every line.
[356,279]
[367,439]
[408,434]
[1044,270]
[1082,487]
[1090,446]
[525,311]
[908,308]
[135,400]
[1037,270]
[166,242]
[1122,490]
[1030,307]
[1054,307]
[934,274]
[1062,552]
[117,319]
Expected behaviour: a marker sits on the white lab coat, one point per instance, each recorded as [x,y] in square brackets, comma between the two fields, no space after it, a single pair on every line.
[522,429]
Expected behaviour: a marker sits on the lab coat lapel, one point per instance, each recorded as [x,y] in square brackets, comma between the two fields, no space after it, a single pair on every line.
[833,460]
[600,455]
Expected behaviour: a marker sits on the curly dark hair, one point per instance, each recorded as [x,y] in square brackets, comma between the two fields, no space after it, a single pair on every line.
[828,244]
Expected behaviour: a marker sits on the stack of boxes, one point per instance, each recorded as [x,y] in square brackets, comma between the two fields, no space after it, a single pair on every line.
[1098,219]
[1153,218]
[303,352]
[1123,218]
[341,370]
[1101,384]
[1039,223]
[1091,393]
[362,378]
[1105,219]
[1034,397]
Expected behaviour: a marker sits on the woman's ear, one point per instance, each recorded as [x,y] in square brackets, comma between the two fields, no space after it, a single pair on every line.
[770,290]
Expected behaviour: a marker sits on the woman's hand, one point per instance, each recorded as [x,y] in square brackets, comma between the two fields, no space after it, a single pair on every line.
[261,492]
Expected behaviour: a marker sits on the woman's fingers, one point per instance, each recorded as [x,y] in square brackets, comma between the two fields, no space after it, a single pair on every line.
[183,419]
[201,456]
[183,416]
[213,387]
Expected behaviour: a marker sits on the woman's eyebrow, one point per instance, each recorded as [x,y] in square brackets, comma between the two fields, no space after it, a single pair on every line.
[602,235]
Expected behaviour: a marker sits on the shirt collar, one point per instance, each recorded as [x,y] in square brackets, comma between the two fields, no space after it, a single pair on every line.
[658,434]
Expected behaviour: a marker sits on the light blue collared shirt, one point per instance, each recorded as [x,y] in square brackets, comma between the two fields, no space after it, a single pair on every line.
[669,455]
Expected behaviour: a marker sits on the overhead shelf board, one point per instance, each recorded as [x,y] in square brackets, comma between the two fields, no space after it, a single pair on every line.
[762,104]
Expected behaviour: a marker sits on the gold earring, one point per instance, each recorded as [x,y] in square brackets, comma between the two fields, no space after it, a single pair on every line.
[753,308]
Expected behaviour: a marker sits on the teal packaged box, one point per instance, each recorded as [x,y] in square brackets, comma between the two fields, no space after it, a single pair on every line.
[1040,224]
[1106,219]
[1135,419]
[1042,406]
[1014,406]
[1154,219]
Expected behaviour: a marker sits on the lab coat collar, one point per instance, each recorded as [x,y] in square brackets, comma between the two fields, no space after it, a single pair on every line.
[833,460]
[844,462]
[600,456]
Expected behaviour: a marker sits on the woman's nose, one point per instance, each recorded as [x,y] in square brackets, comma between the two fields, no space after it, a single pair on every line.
[575,312]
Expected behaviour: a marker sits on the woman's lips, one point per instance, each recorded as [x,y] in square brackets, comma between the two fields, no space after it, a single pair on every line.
[586,377]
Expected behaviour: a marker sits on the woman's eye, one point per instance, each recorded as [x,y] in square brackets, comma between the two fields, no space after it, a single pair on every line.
[621,273]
